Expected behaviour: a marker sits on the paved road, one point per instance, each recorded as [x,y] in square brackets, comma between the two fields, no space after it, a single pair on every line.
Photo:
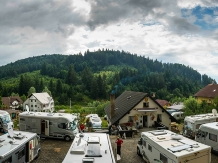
[54,151]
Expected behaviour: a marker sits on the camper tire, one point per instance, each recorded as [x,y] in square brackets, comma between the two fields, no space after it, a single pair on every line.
[138,152]
[67,138]
[38,153]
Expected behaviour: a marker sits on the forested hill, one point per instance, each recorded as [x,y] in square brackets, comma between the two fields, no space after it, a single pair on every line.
[96,74]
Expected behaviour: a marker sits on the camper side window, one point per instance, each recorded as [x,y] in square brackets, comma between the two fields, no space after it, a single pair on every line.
[213,137]
[9,160]
[62,125]
[149,148]
[163,158]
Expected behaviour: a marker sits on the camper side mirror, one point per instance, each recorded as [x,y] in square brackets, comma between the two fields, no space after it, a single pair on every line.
[140,142]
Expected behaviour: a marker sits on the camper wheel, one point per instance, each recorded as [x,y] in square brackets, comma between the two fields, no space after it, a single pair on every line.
[138,152]
[38,153]
[67,138]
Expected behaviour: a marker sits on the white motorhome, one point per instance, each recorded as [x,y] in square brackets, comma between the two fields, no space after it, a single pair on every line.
[178,115]
[4,120]
[22,147]
[54,125]
[164,146]
[90,148]
[193,122]
[208,134]
[96,122]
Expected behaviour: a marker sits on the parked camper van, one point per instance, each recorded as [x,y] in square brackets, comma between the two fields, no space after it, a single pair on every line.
[193,122]
[178,115]
[208,134]
[90,148]
[54,125]
[96,122]
[22,147]
[4,120]
[164,146]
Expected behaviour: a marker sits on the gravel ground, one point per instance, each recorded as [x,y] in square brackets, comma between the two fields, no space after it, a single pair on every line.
[54,151]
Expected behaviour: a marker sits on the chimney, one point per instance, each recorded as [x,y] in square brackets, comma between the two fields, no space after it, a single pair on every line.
[112,111]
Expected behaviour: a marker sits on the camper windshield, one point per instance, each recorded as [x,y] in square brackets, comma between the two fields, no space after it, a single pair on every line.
[73,125]
[6,119]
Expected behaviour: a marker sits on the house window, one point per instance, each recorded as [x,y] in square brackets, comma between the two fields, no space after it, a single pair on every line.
[149,148]
[35,105]
[146,104]
[213,137]
[31,105]
[163,158]
[22,119]
[31,100]
[35,100]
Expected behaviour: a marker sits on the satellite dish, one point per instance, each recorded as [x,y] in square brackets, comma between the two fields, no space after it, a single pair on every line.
[10,130]
[214,111]
[27,108]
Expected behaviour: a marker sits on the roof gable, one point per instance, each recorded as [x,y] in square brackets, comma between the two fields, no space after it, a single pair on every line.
[126,102]
[42,97]
[7,101]
[162,102]
[210,91]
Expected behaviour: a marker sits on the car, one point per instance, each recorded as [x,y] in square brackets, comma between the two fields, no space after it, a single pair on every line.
[105,117]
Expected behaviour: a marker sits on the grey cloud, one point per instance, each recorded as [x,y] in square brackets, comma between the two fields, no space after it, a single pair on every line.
[46,15]
[105,12]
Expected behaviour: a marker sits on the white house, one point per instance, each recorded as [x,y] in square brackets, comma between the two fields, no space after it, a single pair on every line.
[137,108]
[39,102]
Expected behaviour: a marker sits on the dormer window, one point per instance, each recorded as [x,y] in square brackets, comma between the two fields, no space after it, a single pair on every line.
[146,104]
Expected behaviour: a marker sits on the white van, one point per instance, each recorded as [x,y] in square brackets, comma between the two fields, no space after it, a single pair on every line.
[165,146]
[54,125]
[208,134]
[178,115]
[90,148]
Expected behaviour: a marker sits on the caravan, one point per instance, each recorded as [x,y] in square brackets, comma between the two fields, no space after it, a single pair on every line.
[54,125]
[165,146]
[208,134]
[90,148]
[193,122]
[4,120]
[19,147]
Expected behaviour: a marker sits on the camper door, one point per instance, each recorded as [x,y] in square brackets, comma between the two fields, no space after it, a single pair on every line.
[47,127]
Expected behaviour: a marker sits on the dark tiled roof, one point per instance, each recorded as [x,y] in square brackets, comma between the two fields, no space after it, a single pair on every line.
[126,102]
[162,102]
[7,101]
[210,91]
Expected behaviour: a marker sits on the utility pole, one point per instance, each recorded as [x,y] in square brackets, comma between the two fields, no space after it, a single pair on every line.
[70,103]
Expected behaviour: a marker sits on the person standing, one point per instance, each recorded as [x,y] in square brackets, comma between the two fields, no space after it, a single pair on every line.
[119,142]
[82,127]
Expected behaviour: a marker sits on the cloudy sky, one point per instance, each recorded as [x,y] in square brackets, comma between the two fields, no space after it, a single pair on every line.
[174,31]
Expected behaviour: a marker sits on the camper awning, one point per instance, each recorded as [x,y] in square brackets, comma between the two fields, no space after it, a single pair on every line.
[146,109]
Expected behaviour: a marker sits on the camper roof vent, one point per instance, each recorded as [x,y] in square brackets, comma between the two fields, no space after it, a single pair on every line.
[179,148]
[88,160]
[50,114]
[158,132]
[189,149]
[176,137]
